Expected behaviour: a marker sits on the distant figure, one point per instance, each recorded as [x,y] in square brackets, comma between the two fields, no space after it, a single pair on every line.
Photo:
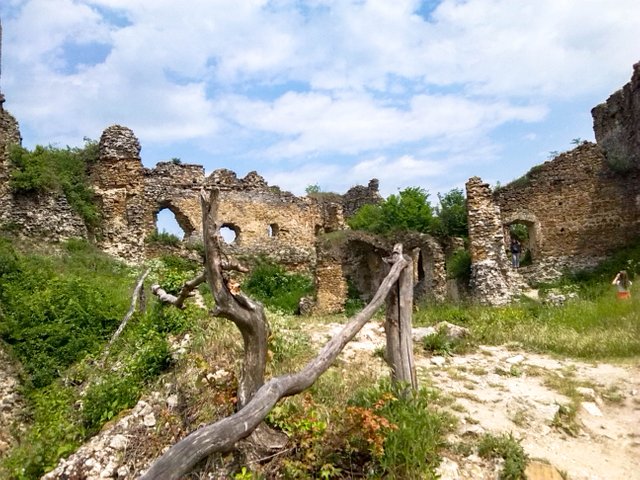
[516,248]
[623,284]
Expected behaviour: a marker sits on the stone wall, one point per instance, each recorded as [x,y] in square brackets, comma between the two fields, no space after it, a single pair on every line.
[118,181]
[45,216]
[491,276]
[616,124]
[577,210]
[267,221]
[360,195]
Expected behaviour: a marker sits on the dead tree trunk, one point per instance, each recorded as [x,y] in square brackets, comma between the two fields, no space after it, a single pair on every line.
[399,346]
[223,435]
[233,305]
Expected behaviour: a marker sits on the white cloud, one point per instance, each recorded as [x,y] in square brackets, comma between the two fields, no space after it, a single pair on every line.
[289,82]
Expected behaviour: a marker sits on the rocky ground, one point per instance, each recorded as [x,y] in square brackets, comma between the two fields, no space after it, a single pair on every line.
[498,390]
[507,390]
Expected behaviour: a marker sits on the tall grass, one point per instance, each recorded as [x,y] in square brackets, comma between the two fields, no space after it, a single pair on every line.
[599,328]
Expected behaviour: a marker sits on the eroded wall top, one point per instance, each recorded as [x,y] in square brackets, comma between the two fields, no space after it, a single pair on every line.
[616,124]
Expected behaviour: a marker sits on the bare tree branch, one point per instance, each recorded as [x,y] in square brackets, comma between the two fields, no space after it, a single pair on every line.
[125,320]
[222,435]
[184,293]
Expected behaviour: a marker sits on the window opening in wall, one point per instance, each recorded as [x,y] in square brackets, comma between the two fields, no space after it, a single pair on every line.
[229,233]
[273,230]
[522,233]
[167,226]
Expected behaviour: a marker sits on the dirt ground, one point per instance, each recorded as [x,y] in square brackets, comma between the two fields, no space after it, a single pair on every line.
[508,390]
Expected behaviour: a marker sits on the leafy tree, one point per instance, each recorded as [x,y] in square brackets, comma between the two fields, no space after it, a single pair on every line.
[409,210]
[452,214]
[315,188]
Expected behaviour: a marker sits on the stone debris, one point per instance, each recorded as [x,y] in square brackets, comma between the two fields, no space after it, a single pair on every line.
[102,457]
[516,359]
[591,408]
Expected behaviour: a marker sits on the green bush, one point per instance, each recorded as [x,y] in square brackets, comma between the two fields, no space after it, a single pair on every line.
[56,432]
[410,448]
[52,169]
[458,265]
[57,310]
[409,210]
[8,257]
[163,238]
[275,287]
[507,448]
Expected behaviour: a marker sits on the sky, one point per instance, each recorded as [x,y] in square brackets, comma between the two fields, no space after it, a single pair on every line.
[321,92]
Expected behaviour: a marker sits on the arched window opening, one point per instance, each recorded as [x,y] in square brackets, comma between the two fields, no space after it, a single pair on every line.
[273,230]
[167,228]
[525,234]
[230,233]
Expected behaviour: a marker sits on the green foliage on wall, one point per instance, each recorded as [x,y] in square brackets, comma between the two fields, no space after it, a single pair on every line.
[53,169]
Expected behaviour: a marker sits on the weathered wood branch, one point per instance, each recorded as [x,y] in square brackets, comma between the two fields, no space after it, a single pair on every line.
[399,345]
[134,301]
[247,315]
[222,435]
[185,292]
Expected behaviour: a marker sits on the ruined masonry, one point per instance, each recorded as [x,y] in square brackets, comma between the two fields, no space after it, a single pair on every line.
[577,208]
[489,263]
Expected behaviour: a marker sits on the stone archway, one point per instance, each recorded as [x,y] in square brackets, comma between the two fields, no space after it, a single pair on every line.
[533,241]
[181,218]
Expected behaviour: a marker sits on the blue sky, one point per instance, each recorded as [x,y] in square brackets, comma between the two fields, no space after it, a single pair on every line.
[327,92]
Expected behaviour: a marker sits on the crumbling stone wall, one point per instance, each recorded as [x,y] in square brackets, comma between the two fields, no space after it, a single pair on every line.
[577,208]
[360,195]
[270,222]
[118,181]
[356,257]
[491,281]
[177,187]
[45,216]
[9,135]
[616,124]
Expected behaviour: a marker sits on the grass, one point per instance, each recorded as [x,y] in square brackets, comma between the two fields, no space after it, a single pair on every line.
[57,314]
[347,425]
[602,328]
[509,449]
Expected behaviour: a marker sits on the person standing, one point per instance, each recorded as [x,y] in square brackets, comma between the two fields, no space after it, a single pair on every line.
[623,285]
[516,248]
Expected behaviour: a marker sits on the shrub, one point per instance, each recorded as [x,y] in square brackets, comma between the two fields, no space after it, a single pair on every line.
[58,310]
[277,288]
[458,265]
[56,432]
[409,210]
[52,169]
[507,448]
[410,447]
[163,238]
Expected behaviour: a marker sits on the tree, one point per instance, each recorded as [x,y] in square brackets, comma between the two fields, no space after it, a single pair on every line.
[451,214]
[409,210]
[255,397]
[315,188]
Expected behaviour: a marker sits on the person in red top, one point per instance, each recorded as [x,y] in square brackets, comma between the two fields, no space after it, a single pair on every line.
[623,284]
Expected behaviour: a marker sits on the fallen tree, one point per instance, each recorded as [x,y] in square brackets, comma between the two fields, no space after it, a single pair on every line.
[256,398]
